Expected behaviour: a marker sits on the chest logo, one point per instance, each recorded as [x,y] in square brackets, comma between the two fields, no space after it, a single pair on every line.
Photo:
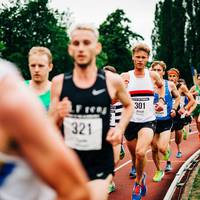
[97,92]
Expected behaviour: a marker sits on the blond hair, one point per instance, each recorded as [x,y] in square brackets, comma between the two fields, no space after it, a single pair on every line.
[158,62]
[84,26]
[141,47]
[41,50]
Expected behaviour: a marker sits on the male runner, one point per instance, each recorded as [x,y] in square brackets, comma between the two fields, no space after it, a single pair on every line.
[90,91]
[140,131]
[195,90]
[40,64]
[164,120]
[178,121]
[33,157]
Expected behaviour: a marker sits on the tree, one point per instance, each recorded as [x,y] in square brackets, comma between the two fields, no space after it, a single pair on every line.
[163,31]
[32,23]
[116,37]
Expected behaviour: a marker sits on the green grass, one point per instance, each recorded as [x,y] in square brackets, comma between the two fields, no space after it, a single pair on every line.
[195,193]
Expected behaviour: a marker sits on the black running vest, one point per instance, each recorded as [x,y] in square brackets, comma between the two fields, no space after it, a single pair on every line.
[86,128]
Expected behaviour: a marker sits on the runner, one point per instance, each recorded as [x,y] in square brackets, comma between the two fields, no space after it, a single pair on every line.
[162,135]
[140,131]
[91,91]
[114,109]
[40,64]
[188,118]
[33,157]
[195,90]
[178,122]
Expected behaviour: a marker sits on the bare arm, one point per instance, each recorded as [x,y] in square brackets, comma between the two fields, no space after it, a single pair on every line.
[38,142]
[118,92]
[58,109]
[191,100]
[127,103]
[175,94]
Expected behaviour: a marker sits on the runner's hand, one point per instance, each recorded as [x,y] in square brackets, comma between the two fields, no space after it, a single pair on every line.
[173,113]
[182,111]
[114,136]
[159,106]
[64,107]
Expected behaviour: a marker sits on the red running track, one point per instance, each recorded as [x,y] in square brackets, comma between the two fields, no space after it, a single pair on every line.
[156,191]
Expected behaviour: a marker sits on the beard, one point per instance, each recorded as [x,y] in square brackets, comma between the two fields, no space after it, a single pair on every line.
[84,65]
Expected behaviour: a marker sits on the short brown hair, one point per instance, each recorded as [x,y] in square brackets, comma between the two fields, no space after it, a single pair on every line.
[141,47]
[110,68]
[41,50]
[159,62]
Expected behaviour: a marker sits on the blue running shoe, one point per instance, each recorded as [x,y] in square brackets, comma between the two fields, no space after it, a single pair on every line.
[168,167]
[137,192]
[179,154]
[132,172]
[144,186]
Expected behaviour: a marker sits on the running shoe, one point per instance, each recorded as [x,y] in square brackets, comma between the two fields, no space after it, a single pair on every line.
[158,176]
[111,187]
[179,154]
[144,186]
[168,167]
[132,172]
[167,154]
[137,192]
[122,152]
[185,134]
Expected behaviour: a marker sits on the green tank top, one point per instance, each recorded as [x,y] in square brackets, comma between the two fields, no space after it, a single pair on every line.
[197,89]
[44,98]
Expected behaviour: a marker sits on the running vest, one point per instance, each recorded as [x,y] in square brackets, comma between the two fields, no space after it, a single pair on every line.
[116,110]
[17,181]
[197,89]
[44,98]
[85,129]
[165,114]
[142,94]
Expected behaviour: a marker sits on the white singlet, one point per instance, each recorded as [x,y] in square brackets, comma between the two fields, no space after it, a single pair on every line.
[142,94]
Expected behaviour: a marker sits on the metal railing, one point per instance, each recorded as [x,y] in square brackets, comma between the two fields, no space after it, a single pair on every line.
[177,180]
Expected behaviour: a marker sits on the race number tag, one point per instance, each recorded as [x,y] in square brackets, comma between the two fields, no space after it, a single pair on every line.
[162,113]
[83,133]
[198,99]
[142,105]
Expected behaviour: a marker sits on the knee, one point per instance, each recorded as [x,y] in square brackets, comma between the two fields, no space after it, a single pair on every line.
[140,154]
[162,149]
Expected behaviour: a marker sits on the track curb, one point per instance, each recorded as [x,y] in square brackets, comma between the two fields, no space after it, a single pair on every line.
[189,184]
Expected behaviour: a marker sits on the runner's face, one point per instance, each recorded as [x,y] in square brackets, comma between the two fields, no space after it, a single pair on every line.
[159,70]
[39,67]
[173,77]
[84,48]
[140,59]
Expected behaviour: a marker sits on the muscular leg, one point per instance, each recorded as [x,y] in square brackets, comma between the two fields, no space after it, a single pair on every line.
[145,137]
[131,147]
[178,139]
[155,151]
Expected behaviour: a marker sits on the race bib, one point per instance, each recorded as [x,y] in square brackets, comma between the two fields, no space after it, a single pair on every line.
[143,108]
[162,113]
[83,133]
[198,99]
